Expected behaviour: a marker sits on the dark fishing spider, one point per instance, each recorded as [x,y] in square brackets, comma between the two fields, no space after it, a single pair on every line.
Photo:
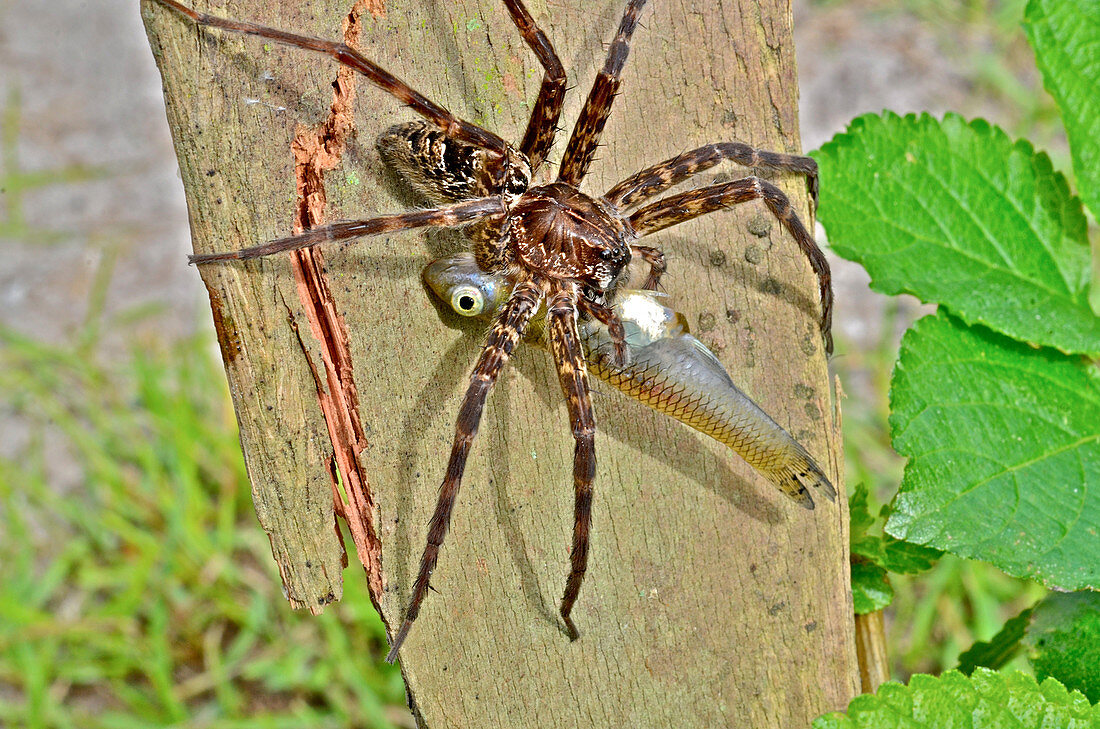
[554,243]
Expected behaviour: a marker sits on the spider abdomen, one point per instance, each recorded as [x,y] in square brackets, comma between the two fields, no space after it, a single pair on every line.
[446,170]
[559,232]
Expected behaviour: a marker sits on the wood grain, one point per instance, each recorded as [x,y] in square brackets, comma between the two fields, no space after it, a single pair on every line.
[711,600]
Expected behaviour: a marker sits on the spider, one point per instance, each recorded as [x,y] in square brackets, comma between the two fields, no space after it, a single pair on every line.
[557,247]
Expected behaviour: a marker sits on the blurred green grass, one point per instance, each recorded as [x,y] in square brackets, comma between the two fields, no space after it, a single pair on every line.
[136,587]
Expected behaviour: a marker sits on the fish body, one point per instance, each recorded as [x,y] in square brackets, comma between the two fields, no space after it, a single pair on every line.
[667,369]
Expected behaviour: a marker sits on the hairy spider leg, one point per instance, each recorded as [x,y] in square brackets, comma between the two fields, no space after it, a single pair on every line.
[656,179]
[446,217]
[597,107]
[680,208]
[660,177]
[351,58]
[503,336]
[543,123]
[565,345]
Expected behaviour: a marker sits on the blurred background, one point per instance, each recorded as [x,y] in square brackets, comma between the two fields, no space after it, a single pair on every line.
[136,588]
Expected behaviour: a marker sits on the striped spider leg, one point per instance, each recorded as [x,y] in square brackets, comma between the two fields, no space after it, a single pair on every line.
[676,209]
[680,208]
[561,315]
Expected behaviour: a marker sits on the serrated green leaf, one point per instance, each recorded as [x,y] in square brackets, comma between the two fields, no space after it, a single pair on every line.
[1066,40]
[985,700]
[860,520]
[1003,443]
[871,588]
[1063,641]
[958,214]
[1000,649]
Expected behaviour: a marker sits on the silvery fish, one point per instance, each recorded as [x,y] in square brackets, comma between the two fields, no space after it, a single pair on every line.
[667,369]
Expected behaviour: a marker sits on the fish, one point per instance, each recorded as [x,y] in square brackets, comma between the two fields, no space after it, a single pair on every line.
[666,369]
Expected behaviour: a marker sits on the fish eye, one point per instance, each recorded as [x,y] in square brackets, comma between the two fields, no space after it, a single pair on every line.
[467,300]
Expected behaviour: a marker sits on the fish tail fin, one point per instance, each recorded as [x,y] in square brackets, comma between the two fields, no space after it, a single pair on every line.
[797,473]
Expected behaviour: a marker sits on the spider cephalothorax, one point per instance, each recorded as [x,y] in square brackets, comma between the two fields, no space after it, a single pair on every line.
[557,247]
[558,232]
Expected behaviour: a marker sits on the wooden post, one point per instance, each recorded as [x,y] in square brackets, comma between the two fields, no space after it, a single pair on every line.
[874,667]
[710,600]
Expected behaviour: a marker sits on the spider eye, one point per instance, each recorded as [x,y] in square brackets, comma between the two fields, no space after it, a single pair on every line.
[606,254]
[467,301]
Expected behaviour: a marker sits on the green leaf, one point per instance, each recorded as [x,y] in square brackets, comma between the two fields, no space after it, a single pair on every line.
[905,558]
[985,700]
[1000,649]
[871,590]
[883,550]
[875,554]
[1064,641]
[860,523]
[958,214]
[860,520]
[1066,39]
[1003,443]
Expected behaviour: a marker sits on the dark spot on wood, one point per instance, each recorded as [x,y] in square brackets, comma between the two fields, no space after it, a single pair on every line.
[760,225]
[707,321]
[803,391]
[810,626]
[754,254]
[808,344]
[717,258]
[771,286]
[733,315]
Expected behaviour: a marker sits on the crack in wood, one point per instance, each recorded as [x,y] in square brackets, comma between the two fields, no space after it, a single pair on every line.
[317,150]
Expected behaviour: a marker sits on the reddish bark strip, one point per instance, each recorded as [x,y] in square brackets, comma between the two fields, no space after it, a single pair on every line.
[317,150]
